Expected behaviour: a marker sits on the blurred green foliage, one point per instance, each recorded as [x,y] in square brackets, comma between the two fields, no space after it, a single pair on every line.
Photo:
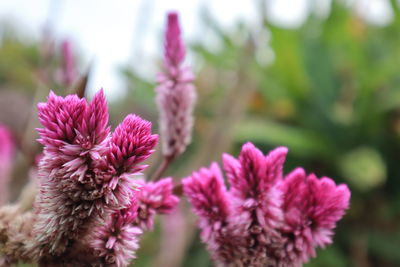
[329,91]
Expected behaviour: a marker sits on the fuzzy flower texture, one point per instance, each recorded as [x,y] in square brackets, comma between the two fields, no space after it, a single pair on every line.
[265,219]
[175,93]
[88,199]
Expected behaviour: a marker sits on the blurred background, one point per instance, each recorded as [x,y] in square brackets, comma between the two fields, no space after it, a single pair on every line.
[320,77]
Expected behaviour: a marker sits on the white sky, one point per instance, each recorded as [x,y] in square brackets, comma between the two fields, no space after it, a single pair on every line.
[112,33]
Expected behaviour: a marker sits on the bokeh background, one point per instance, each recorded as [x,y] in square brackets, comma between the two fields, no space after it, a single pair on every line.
[320,77]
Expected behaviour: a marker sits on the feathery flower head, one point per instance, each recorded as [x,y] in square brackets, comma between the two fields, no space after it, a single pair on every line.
[208,194]
[7,148]
[254,178]
[264,219]
[153,198]
[176,94]
[212,203]
[174,47]
[116,241]
[132,143]
[311,209]
[85,173]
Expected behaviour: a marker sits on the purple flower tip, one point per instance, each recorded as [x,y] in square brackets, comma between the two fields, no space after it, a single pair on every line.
[174,48]
[176,94]
[132,143]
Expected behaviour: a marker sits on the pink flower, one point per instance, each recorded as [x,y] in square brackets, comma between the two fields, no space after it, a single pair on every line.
[85,173]
[211,202]
[264,220]
[311,209]
[6,155]
[131,144]
[254,178]
[175,94]
[116,241]
[153,198]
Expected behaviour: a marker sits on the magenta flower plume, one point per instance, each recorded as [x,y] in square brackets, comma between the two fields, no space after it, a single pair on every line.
[311,208]
[117,240]
[175,93]
[174,47]
[254,180]
[85,173]
[132,143]
[212,204]
[154,198]
[7,148]
[264,220]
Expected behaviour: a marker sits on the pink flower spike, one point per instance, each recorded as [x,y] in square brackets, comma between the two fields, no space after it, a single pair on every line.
[132,143]
[95,123]
[207,193]
[176,94]
[211,202]
[311,209]
[155,198]
[60,118]
[174,47]
[254,179]
[6,155]
[270,221]
[115,243]
[85,174]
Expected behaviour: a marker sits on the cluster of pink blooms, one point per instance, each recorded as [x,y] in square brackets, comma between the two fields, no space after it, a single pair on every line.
[86,182]
[264,219]
[117,240]
[91,208]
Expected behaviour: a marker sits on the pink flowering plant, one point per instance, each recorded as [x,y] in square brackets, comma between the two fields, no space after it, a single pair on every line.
[94,202]
[265,218]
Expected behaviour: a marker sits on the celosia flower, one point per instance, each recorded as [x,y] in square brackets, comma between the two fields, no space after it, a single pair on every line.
[116,241]
[84,173]
[153,198]
[264,220]
[311,209]
[175,93]
[6,155]
[212,204]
